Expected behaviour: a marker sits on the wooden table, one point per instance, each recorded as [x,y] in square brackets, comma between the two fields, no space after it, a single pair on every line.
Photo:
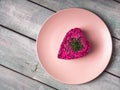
[20,22]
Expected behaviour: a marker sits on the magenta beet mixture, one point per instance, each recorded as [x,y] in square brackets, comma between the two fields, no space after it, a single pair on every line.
[74,45]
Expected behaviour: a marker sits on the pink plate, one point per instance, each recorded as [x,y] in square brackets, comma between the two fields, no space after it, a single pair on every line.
[83,69]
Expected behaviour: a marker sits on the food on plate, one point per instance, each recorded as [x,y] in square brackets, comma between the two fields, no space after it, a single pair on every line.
[74,45]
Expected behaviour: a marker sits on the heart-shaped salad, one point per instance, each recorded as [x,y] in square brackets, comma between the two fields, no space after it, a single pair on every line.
[74,45]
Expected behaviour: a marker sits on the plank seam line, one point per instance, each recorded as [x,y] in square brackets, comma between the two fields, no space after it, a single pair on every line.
[116,38]
[112,74]
[17,32]
[41,5]
[29,77]
[116,1]
[33,38]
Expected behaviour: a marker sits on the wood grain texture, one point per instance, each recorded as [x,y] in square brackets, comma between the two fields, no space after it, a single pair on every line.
[26,18]
[23,16]
[10,80]
[108,10]
[18,53]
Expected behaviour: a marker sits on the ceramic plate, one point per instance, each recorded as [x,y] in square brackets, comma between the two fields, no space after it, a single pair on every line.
[81,70]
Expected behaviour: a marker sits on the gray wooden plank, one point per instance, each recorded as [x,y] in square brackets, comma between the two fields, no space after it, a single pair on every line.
[33,34]
[26,18]
[23,16]
[10,80]
[18,53]
[108,10]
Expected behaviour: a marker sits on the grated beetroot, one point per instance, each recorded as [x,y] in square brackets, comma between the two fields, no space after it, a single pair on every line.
[74,45]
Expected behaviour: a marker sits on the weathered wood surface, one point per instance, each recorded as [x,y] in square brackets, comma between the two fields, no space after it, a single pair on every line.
[18,53]
[10,80]
[23,16]
[26,18]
